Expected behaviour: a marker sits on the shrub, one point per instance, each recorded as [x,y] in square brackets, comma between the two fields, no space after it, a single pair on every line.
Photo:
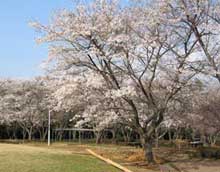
[209,152]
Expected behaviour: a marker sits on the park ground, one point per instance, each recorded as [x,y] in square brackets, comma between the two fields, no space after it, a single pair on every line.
[71,157]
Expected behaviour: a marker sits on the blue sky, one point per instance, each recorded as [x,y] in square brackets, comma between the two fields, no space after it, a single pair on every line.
[20,56]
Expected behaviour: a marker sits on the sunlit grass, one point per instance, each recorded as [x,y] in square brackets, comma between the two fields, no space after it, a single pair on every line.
[22,158]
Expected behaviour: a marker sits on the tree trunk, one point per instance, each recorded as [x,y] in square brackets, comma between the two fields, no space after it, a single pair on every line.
[147,144]
[14,136]
[8,132]
[98,137]
[170,135]
[44,134]
[204,139]
[124,135]
[148,148]
[29,136]
[41,134]
[212,140]
[29,131]
[74,135]
[113,136]
[60,135]
[156,138]
[128,136]
[24,134]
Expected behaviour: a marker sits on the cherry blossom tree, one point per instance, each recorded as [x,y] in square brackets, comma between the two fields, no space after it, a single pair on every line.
[202,18]
[6,118]
[82,95]
[24,102]
[205,114]
[141,54]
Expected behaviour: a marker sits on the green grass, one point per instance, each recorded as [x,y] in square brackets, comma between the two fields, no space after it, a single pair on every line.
[23,158]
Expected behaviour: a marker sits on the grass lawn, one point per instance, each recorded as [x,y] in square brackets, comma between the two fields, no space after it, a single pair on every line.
[27,158]
[73,157]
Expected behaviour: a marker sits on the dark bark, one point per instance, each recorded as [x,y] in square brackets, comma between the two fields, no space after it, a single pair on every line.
[147,135]
[147,144]
[149,152]
[43,133]
[156,138]
[124,135]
